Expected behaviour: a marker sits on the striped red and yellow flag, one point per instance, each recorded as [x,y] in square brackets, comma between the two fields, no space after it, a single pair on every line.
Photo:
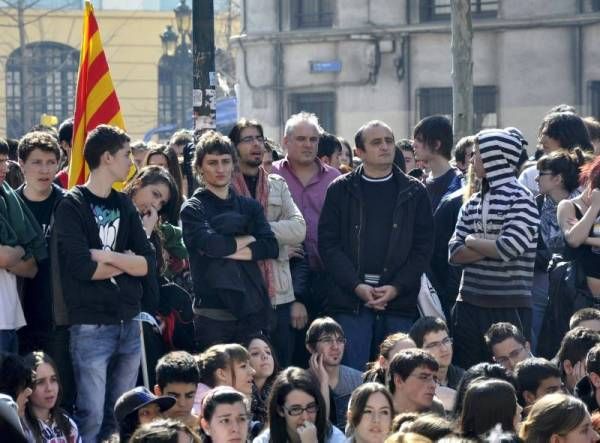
[96,100]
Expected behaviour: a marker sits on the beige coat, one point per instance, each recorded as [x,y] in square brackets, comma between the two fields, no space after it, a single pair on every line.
[289,228]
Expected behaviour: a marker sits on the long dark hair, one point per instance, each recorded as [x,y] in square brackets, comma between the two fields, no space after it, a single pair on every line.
[287,381]
[174,170]
[358,403]
[153,175]
[34,360]
[276,368]
[488,402]
[486,370]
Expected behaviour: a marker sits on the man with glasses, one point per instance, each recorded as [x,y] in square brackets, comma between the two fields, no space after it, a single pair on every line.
[507,345]
[412,382]
[432,335]
[288,225]
[325,341]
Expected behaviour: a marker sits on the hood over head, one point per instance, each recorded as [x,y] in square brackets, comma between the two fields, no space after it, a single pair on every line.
[500,151]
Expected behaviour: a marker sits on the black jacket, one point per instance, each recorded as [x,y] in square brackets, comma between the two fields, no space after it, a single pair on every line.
[445,277]
[101,301]
[210,225]
[411,242]
[585,391]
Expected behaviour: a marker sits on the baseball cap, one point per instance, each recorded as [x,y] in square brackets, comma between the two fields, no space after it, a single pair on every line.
[136,399]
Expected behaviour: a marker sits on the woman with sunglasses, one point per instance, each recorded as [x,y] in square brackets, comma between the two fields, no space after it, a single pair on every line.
[297,412]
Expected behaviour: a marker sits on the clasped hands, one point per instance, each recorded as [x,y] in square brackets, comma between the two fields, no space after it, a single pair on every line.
[377,297]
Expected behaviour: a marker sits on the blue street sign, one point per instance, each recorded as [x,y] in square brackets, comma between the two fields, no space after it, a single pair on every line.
[326,66]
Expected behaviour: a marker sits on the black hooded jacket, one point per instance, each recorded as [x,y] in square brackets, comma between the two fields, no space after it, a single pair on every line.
[210,225]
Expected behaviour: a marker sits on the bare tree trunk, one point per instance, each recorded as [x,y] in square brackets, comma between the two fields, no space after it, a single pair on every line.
[24,71]
[462,69]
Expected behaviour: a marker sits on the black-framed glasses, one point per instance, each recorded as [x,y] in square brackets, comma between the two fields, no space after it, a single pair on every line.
[512,355]
[542,173]
[329,340]
[438,344]
[296,410]
[251,138]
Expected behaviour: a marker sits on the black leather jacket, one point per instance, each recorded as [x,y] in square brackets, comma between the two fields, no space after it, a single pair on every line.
[340,241]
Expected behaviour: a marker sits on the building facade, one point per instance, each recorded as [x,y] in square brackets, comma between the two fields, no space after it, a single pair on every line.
[351,61]
[133,49]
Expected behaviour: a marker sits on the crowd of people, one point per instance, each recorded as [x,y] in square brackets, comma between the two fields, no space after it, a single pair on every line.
[235,290]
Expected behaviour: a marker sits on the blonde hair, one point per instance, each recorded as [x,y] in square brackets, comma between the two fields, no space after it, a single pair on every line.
[552,414]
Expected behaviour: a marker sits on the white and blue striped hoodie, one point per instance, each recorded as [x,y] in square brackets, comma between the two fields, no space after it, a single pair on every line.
[505,212]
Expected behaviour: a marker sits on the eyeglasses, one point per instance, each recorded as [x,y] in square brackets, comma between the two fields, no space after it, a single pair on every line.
[447,342]
[426,378]
[542,173]
[331,340]
[513,355]
[251,138]
[296,410]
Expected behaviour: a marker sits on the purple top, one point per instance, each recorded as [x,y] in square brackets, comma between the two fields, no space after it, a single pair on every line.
[309,199]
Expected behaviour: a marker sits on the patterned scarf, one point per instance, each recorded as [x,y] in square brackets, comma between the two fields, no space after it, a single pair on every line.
[262,196]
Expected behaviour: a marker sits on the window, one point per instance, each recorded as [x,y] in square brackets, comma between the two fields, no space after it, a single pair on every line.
[434,101]
[312,14]
[595,5]
[320,104]
[43,81]
[595,98]
[175,90]
[433,10]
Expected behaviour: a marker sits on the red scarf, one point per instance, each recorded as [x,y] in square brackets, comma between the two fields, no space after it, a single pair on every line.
[262,195]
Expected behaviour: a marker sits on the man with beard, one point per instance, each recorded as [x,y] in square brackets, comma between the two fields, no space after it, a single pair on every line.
[286,222]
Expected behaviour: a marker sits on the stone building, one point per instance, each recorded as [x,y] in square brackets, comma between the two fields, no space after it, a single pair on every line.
[354,60]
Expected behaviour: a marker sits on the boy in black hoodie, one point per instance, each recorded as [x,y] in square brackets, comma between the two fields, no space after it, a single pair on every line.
[104,257]
[226,235]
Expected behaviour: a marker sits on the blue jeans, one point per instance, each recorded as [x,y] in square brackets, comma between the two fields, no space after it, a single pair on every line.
[365,331]
[9,341]
[106,360]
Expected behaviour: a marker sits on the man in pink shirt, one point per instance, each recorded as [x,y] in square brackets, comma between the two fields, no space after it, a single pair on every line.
[307,178]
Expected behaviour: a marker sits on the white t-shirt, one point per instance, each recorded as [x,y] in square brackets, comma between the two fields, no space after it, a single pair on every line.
[528,179]
[11,313]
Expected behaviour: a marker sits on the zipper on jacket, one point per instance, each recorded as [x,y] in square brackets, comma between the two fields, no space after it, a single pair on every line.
[360,223]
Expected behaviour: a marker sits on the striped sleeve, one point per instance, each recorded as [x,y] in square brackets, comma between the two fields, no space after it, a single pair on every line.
[465,225]
[519,230]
